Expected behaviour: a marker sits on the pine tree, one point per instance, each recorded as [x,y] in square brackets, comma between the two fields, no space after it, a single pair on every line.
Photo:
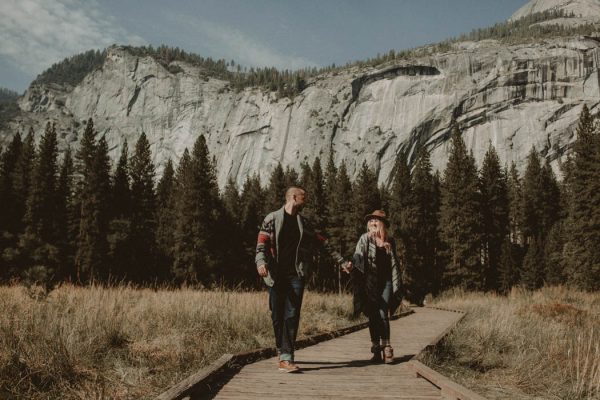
[315,208]
[325,274]
[165,217]
[39,242]
[276,188]
[291,177]
[101,182]
[515,204]
[197,237]
[10,217]
[87,259]
[65,201]
[583,221]
[8,196]
[143,212]
[341,217]
[235,257]
[41,204]
[460,218]
[551,199]
[181,269]
[120,218]
[385,195]
[253,214]
[439,260]
[366,197]
[425,225]
[233,203]
[554,262]
[533,265]
[401,200]
[121,191]
[402,219]
[330,177]
[533,195]
[305,173]
[22,178]
[507,267]
[495,215]
[541,200]
[92,257]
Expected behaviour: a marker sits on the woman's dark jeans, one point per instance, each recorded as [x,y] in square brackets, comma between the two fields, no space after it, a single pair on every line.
[378,313]
[285,301]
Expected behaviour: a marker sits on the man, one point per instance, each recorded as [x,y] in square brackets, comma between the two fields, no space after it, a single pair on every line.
[285,249]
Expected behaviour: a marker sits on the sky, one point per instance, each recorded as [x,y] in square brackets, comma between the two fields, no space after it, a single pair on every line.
[290,34]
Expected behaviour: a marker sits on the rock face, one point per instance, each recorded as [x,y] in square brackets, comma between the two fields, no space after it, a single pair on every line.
[586,10]
[513,97]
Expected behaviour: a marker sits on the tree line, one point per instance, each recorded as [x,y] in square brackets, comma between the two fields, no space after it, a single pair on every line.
[488,228]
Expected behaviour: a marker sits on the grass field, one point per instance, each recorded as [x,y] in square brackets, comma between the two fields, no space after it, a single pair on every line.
[527,345]
[126,343]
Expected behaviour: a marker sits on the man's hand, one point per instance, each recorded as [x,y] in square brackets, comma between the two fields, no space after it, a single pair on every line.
[347,268]
[262,270]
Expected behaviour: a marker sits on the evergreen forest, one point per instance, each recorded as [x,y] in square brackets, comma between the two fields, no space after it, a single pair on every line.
[81,219]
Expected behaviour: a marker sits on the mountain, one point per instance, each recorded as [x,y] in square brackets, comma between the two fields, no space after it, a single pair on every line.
[515,85]
[585,10]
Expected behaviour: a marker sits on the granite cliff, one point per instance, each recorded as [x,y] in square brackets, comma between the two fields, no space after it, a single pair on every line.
[513,96]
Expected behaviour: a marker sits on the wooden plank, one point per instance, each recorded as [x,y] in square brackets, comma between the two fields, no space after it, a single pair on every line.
[446,331]
[450,389]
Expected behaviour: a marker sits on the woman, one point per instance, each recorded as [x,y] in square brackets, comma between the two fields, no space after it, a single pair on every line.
[377,282]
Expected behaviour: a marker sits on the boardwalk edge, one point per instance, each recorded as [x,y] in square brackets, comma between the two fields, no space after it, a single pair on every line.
[450,389]
[187,387]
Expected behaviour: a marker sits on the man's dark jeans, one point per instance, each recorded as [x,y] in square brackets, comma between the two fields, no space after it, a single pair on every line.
[285,301]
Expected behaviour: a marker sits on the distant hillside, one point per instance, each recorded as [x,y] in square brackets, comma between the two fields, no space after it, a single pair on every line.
[8,105]
[7,95]
[528,28]
[586,10]
[72,70]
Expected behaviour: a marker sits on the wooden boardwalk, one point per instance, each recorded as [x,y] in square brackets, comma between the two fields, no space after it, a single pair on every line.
[339,368]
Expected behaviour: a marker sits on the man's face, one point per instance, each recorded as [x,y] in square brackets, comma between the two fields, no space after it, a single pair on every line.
[300,198]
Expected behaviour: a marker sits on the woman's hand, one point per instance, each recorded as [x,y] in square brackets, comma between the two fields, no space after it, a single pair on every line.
[262,270]
[347,268]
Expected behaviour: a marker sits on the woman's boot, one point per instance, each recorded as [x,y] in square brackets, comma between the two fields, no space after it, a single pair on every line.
[376,350]
[388,354]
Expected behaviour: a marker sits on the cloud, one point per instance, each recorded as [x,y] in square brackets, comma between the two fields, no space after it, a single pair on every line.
[34,34]
[230,43]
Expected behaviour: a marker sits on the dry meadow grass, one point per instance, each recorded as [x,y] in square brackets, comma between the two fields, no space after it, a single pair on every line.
[126,343]
[527,345]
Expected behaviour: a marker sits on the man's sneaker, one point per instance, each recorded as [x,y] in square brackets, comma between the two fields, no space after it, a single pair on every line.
[288,366]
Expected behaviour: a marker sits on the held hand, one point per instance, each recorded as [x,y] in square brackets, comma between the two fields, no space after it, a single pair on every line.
[347,268]
[262,270]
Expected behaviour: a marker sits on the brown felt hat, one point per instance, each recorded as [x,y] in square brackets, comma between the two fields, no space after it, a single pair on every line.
[379,214]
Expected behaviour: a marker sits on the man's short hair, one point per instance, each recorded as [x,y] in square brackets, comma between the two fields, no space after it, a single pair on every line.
[292,190]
